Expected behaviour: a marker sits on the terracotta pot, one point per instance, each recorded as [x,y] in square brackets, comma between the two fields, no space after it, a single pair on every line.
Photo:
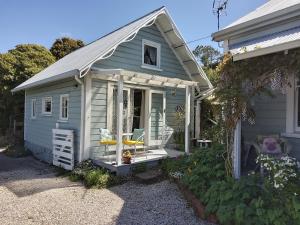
[126,160]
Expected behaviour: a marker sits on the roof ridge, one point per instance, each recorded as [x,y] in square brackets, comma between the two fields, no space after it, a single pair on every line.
[119,28]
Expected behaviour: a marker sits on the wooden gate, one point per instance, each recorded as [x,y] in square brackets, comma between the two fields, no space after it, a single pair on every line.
[63,148]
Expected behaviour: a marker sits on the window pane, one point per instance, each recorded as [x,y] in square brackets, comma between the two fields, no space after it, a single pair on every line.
[150,55]
[48,106]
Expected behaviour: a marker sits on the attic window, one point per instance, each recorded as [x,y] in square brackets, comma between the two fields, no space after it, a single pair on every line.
[151,55]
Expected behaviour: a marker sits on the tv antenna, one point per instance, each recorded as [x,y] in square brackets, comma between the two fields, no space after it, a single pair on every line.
[219,9]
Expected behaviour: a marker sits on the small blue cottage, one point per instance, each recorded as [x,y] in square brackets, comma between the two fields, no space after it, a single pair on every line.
[134,78]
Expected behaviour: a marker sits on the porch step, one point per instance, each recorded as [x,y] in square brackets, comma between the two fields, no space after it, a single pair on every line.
[150,176]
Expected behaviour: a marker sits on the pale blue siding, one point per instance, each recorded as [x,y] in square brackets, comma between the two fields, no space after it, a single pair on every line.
[38,132]
[98,115]
[270,119]
[129,56]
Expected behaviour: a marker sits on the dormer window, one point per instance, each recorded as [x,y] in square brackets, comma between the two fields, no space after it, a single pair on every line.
[151,55]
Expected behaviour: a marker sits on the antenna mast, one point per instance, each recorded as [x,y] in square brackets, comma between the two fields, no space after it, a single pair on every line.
[219,8]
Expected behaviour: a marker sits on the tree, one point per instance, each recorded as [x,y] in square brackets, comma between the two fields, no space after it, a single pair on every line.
[207,55]
[65,45]
[16,66]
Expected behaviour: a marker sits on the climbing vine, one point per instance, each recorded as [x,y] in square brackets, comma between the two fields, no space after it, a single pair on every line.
[240,81]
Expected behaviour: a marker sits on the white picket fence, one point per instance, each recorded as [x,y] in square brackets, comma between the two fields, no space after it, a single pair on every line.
[63,148]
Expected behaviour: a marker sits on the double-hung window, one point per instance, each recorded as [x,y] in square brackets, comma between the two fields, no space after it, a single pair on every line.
[33,108]
[150,55]
[47,105]
[64,107]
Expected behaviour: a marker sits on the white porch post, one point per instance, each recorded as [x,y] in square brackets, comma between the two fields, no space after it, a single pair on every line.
[237,150]
[197,119]
[187,119]
[119,121]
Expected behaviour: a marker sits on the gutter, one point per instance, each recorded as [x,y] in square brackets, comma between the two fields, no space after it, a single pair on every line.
[82,117]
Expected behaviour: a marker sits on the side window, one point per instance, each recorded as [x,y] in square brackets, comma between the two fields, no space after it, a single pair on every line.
[33,108]
[64,107]
[47,105]
[150,54]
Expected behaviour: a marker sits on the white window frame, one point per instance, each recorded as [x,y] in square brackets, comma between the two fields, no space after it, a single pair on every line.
[61,107]
[33,105]
[154,45]
[43,105]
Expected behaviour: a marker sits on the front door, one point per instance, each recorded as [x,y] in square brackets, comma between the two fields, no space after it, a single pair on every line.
[157,116]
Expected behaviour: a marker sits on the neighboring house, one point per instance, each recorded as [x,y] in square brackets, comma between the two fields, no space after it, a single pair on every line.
[273,27]
[147,59]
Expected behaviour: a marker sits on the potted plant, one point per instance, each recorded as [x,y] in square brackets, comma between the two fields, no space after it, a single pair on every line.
[127,157]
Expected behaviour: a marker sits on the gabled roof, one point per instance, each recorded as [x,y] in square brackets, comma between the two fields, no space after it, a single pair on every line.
[269,7]
[80,61]
[272,11]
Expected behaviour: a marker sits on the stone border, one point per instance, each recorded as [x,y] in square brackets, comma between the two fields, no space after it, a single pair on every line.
[196,204]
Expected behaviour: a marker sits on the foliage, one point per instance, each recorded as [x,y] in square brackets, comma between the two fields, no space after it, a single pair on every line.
[207,55]
[16,66]
[204,168]
[242,80]
[127,154]
[64,46]
[280,171]
[248,201]
[93,176]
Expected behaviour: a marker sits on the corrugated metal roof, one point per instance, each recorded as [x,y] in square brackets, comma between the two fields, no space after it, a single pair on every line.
[270,7]
[77,61]
[271,40]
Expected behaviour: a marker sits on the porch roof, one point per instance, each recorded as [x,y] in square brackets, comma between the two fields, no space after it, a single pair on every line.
[141,78]
[276,42]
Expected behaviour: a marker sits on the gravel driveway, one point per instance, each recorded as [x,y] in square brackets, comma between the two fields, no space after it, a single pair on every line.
[30,193]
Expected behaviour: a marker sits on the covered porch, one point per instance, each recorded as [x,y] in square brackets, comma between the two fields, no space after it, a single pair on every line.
[156,133]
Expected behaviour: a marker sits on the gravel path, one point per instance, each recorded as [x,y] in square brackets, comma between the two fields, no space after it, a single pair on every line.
[32,194]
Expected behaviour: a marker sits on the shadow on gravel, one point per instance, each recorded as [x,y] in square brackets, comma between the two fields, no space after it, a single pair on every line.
[27,176]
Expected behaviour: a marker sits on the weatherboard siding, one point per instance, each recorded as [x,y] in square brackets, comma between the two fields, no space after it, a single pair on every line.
[270,119]
[128,56]
[38,134]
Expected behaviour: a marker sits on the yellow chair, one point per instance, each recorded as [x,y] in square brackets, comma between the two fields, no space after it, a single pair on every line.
[137,138]
[106,139]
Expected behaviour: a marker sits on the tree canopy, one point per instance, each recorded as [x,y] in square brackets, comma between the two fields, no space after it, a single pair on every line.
[64,46]
[207,55]
[16,66]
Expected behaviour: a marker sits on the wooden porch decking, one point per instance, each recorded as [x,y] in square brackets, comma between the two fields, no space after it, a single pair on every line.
[151,158]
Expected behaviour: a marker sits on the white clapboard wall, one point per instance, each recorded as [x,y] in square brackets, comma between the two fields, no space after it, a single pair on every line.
[63,148]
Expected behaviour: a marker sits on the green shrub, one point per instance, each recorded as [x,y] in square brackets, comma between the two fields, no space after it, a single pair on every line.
[93,176]
[251,200]
[204,167]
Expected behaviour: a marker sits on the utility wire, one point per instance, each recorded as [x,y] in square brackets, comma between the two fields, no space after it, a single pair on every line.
[198,39]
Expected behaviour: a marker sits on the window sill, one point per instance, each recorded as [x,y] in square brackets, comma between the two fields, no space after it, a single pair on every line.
[46,114]
[291,135]
[151,68]
[62,121]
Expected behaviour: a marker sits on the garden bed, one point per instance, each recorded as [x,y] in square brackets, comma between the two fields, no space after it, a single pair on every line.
[253,200]
[196,204]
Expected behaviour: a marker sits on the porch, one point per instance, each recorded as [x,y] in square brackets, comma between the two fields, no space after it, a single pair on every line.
[151,158]
[151,89]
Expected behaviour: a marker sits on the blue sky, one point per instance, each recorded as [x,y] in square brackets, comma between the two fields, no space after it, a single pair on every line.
[41,22]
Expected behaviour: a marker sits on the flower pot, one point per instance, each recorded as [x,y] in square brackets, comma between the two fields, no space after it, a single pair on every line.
[126,160]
